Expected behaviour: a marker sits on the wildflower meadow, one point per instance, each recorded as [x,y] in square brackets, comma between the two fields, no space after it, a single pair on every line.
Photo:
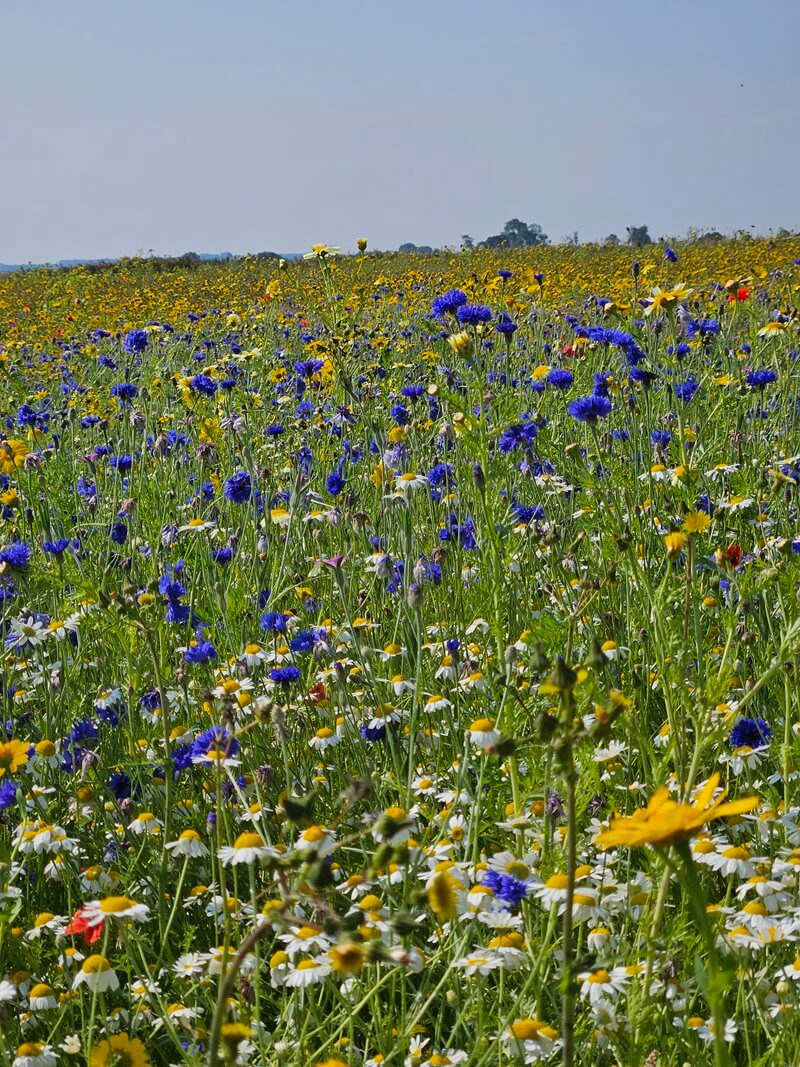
[400,659]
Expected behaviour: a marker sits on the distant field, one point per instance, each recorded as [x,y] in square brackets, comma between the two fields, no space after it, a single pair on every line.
[401,659]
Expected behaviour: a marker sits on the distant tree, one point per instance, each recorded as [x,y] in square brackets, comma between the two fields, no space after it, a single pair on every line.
[466,241]
[612,239]
[517,234]
[407,247]
[638,236]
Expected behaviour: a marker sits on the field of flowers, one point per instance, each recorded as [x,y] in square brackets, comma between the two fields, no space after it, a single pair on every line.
[400,660]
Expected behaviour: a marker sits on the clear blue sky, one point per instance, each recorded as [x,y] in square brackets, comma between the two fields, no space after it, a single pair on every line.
[246,125]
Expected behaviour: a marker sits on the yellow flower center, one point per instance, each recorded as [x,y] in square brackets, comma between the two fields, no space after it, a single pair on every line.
[249,840]
[115,905]
[481,726]
[95,965]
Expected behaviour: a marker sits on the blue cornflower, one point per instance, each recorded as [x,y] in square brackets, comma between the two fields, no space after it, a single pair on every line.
[308,640]
[519,435]
[750,733]
[678,351]
[307,368]
[125,391]
[181,758]
[759,379]
[590,408]
[373,734]
[284,676]
[177,612]
[506,326]
[639,374]
[685,390]
[473,314]
[238,488]
[8,794]
[83,730]
[203,384]
[400,415]
[334,483]
[150,701]
[120,785]
[462,533]
[660,438]
[135,341]
[670,255]
[170,587]
[56,548]
[200,652]
[560,378]
[16,556]
[525,513]
[505,887]
[122,464]
[440,473]
[412,392]
[448,303]
[274,622]
[702,328]
[222,556]
[27,416]
[601,383]
[217,737]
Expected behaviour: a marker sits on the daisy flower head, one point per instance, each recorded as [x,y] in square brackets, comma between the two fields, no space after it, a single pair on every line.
[248,848]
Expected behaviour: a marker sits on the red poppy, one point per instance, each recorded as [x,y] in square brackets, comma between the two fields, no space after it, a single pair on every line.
[80,925]
[317,694]
[733,554]
[740,295]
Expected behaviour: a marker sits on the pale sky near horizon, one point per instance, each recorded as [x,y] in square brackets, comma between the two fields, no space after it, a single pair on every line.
[197,125]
